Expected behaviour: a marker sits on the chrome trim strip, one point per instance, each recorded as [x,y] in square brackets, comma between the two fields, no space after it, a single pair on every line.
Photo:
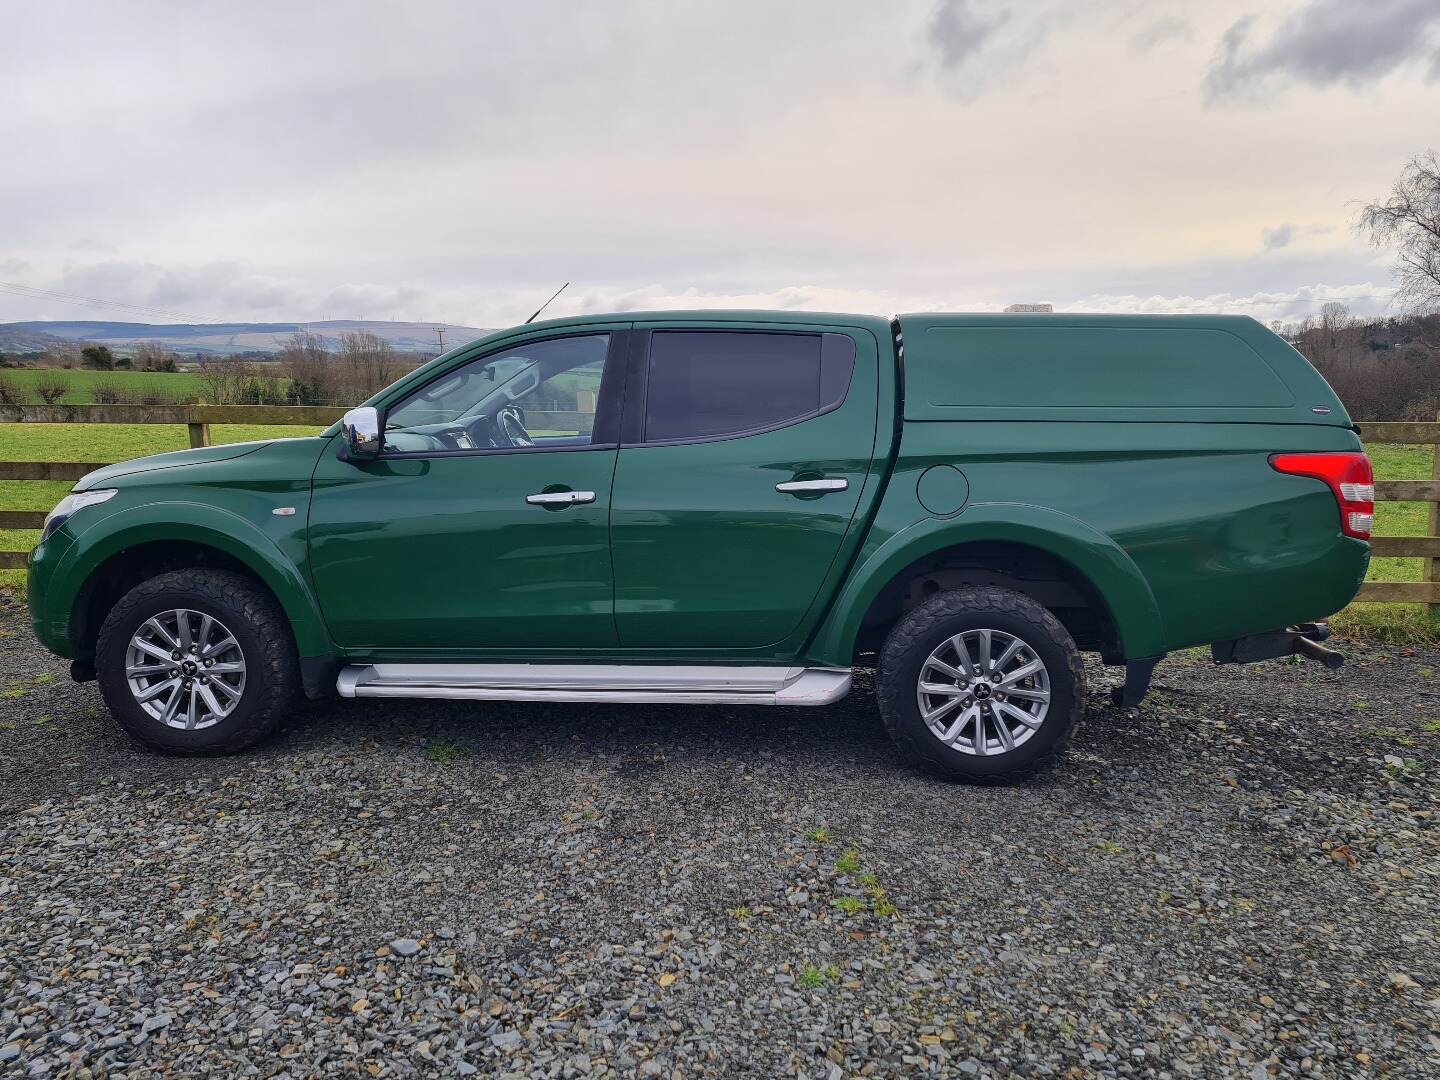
[631,683]
[837,484]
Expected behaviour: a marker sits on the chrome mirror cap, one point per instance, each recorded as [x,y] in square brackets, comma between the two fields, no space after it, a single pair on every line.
[361,430]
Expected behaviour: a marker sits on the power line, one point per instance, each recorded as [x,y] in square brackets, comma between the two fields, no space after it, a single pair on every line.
[31,292]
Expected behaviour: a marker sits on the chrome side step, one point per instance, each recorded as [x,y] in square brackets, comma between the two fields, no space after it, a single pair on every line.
[631,683]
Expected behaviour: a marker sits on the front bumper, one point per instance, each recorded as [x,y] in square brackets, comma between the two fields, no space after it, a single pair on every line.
[50,614]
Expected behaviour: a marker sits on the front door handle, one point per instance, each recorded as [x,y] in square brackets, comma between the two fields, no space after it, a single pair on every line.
[560,498]
[818,486]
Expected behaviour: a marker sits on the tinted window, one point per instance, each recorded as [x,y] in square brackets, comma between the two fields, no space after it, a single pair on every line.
[705,383]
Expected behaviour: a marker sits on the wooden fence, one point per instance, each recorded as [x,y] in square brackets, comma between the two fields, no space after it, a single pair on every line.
[198,419]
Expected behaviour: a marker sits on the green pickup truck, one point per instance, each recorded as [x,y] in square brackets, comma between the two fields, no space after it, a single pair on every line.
[734,508]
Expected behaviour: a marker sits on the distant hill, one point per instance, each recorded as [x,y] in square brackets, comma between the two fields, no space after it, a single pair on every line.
[17,337]
[221,338]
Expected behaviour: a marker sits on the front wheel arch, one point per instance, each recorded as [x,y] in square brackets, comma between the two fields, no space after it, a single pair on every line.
[196,536]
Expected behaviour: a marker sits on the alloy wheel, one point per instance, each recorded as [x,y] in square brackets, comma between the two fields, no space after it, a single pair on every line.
[983,692]
[185,669]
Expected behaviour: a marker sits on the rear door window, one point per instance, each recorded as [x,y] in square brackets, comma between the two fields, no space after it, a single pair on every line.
[707,384]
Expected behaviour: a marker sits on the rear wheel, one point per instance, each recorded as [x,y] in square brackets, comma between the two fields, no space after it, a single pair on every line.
[981,684]
[197,662]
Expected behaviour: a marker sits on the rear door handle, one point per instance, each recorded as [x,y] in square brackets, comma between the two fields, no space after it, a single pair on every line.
[560,498]
[797,486]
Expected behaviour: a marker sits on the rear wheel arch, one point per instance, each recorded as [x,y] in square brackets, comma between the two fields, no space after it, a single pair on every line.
[1056,552]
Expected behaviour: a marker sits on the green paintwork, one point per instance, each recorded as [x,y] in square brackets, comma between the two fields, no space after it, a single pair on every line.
[225,504]
[1167,507]
[691,522]
[1170,368]
[444,554]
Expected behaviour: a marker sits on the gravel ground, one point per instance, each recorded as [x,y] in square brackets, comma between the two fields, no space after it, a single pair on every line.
[1238,879]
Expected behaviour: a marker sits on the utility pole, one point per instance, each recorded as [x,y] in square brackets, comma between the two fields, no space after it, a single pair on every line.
[440,333]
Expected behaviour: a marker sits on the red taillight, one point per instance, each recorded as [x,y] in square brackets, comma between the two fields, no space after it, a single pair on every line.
[1350,478]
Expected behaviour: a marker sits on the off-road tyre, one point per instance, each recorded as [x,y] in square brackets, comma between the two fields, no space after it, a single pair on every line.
[946,614]
[272,675]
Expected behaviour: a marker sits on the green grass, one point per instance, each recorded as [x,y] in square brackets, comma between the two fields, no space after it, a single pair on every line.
[179,384]
[1399,624]
[1399,518]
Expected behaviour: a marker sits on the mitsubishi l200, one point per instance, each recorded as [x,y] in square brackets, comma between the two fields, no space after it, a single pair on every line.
[735,508]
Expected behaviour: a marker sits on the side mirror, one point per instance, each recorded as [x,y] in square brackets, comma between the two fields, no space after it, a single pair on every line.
[361,430]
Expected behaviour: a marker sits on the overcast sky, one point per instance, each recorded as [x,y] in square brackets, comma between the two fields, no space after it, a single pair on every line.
[458,161]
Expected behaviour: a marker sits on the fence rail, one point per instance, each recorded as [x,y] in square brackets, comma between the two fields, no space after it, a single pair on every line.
[198,418]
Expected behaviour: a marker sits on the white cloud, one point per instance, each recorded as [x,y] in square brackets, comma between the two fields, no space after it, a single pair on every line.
[457,161]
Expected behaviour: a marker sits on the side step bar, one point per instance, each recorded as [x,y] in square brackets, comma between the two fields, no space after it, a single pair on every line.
[629,683]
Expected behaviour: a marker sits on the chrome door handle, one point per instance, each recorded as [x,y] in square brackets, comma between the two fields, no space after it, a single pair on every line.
[560,498]
[797,486]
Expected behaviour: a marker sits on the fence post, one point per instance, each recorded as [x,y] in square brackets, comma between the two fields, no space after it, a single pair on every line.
[1432,564]
[199,434]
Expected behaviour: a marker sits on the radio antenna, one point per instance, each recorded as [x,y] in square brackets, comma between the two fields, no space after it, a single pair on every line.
[547,303]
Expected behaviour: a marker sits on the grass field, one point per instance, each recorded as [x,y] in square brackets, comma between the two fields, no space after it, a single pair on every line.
[116,442]
[132,384]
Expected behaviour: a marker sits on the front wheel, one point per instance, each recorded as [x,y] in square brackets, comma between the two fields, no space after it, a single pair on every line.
[197,662]
[981,684]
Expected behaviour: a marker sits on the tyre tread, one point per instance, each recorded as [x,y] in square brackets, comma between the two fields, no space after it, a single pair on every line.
[275,674]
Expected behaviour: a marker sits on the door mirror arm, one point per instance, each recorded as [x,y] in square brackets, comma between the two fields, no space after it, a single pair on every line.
[362,434]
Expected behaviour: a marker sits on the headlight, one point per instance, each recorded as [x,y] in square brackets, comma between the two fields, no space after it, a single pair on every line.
[72,504]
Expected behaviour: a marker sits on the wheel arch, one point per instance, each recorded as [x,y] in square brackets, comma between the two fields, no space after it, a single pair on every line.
[1091,561]
[129,551]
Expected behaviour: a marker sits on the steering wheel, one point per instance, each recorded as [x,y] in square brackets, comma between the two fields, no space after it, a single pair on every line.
[511,423]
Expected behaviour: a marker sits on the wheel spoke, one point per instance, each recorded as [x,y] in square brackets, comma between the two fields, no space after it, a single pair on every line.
[958,644]
[206,624]
[940,665]
[928,715]
[211,701]
[135,671]
[190,708]
[979,736]
[982,654]
[172,706]
[1008,653]
[1018,714]
[159,631]
[230,691]
[182,629]
[953,731]
[219,647]
[1023,671]
[150,649]
[1002,729]
[1027,693]
[155,690]
[925,688]
[225,669]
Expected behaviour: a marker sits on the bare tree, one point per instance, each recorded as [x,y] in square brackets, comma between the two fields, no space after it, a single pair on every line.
[52,386]
[222,380]
[369,363]
[1409,220]
[152,356]
[310,368]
